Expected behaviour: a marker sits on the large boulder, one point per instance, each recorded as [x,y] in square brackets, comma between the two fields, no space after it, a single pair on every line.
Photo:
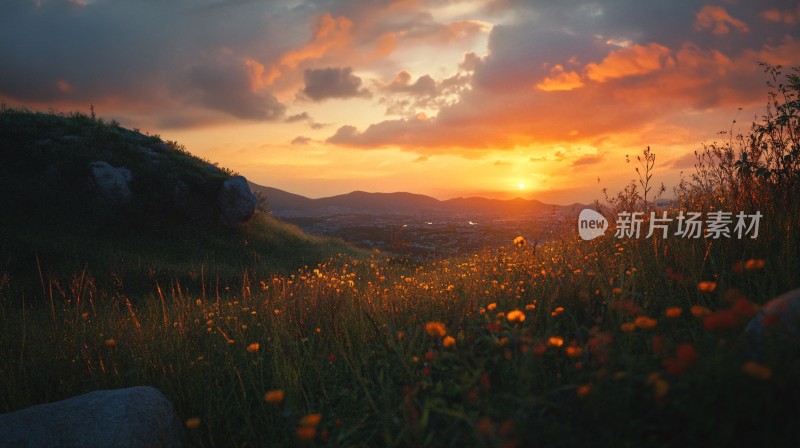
[112,184]
[776,327]
[133,417]
[235,202]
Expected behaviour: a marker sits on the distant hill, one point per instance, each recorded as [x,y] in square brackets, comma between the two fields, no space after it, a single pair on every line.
[285,204]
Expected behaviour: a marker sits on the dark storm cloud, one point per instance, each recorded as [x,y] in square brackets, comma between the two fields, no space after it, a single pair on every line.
[139,53]
[332,82]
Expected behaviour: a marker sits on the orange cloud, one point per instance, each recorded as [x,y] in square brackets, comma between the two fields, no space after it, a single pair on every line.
[385,45]
[560,80]
[782,16]
[717,19]
[64,86]
[632,61]
[330,33]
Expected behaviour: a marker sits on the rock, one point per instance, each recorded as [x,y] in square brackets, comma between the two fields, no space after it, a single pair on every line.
[112,184]
[235,202]
[160,148]
[133,417]
[777,325]
[149,152]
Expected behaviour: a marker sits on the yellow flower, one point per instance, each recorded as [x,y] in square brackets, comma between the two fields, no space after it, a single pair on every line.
[516,316]
[275,396]
[757,370]
[435,329]
[252,348]
[673,312]
[449,342]
[193,423]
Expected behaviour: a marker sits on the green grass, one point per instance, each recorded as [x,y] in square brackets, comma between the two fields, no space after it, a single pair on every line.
[602,357]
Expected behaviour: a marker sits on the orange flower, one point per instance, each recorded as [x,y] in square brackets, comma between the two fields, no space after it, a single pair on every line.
[275,396]
[699,311]
[311,420]
[306,434]
[721,320]
[111,342]
[627,327]
[193,423]
[753,265]
[491,306]
[573,351]
[757,370]
[516,316]
[707,286]
[539,350]
[617,290]
[645,323]
[449,342]
[252,348]
[583,390]
[435,329]
[555,341]
[530,307]
[673,312]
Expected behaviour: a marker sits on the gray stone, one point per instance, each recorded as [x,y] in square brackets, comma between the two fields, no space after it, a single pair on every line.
[777,325]
[236,203]
[160,147]
[132,418]
[112,184]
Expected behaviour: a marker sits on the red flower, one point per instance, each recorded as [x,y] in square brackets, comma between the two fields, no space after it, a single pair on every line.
[685,356]
[721,320]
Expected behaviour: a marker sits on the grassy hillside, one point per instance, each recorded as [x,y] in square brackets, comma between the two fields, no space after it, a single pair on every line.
[54,226]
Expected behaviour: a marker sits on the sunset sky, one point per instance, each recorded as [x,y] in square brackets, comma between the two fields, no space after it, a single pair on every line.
[497,98]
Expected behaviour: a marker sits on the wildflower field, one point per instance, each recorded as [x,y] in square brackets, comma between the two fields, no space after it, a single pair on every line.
[609,342]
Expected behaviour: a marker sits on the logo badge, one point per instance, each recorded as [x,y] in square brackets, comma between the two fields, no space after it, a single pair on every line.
[591,224]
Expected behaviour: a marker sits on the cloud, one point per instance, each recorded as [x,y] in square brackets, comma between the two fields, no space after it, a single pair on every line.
[332,82]
[330,34]
[631,61]
[231,84]
[588,159]
[423,86]
[303,116]
[717,19]
[559,79]
[301,140]
[784,16]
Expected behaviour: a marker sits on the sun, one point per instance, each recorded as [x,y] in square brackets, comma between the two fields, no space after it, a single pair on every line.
[521,186]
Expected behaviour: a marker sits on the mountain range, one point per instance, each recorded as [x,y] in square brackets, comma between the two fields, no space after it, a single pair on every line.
[285,204]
